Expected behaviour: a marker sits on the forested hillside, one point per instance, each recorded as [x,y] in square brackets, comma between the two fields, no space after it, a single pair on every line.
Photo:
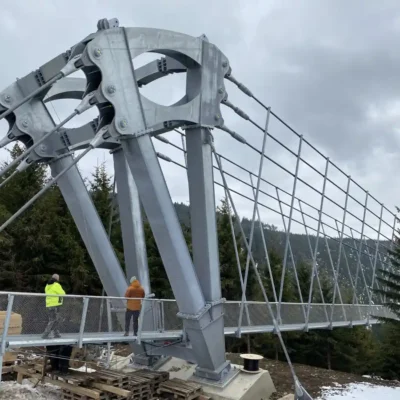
[44,240]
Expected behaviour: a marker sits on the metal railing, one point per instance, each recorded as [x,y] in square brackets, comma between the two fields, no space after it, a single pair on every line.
[81,315]
[81,319]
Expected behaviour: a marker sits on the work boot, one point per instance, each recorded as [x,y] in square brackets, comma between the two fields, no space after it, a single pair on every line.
[126,334]
[45,336]
[57,335]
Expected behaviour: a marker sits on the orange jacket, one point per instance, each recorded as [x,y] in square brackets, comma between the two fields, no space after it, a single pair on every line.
[136,291]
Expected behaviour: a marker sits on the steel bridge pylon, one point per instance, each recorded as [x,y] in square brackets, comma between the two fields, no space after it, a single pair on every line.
[126,124]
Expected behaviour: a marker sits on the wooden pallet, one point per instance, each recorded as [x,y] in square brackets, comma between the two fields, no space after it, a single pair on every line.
[112,378]
[180,389]
[7,369]
[84,392]
[68,395]
[8,366]
[153,378]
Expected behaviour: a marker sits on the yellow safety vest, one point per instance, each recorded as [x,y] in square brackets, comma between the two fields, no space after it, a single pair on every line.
[54,288]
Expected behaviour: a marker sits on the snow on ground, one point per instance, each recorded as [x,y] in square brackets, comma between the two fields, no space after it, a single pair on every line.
[360,391]
[84,368]
[26,391]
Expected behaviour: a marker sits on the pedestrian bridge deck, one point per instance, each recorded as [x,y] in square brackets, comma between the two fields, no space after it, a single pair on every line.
[90,319]
[27,340]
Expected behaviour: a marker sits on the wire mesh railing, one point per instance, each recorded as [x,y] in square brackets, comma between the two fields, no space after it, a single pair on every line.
[26,317]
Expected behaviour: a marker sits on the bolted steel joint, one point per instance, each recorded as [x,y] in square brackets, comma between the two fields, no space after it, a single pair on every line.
[97,52]
[123,124]
[25,123]
[111,89]
[7,98]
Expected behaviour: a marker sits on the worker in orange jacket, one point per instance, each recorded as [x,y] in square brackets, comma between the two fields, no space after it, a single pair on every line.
[135,292]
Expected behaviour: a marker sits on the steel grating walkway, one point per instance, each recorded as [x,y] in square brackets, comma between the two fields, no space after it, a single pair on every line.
[18,341]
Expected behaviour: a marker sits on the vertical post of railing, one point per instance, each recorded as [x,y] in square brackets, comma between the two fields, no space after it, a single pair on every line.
[109,316]
[141,319]
[289,225]
[359,254]
[314,268]
[158,315]
[110,329]
[340,244]
[6,325]
[162,316]
[108,360]
[375,261]
[83,321]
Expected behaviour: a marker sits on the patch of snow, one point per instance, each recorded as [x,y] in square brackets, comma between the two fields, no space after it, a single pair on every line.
[84,369]
[26,391]
[360,391]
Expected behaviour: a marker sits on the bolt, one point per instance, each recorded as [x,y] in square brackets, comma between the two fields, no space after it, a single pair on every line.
[97,53]
[43,147]
[7,98]
[225,64]
[216,117]
[220,90]
[25,123]
[123,123]
[111,89]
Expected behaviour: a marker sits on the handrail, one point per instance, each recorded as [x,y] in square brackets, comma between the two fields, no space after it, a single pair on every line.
[153,299]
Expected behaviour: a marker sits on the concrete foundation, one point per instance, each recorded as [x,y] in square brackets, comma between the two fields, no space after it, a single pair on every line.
[244,386]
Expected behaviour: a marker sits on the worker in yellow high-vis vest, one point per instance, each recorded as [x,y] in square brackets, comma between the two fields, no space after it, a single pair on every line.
[53,304]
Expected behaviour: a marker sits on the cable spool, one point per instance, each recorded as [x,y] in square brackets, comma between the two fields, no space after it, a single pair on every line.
[250,363]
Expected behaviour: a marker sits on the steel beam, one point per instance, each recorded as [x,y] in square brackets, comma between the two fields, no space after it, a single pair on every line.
[160,211]
[202,212]
[131,222]
[90,227]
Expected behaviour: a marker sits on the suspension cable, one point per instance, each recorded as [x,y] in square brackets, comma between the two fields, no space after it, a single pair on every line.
[299,389]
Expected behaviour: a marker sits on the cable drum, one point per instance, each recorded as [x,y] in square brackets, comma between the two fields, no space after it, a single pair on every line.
[251,363]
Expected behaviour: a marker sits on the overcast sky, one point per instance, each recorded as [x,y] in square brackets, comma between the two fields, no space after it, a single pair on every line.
[329,68]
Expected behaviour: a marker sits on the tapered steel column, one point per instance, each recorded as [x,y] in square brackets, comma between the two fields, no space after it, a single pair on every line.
[131,222]
[90,227]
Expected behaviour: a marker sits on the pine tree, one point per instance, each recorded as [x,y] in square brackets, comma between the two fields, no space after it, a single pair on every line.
[42,241]
[158,277]
[389,364]
[101,192]
[390,282]
[230,281]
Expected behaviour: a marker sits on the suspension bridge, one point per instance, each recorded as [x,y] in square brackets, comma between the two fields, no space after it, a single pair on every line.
[253,158]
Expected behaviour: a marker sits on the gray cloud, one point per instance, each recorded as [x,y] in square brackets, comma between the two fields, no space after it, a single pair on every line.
[329,69]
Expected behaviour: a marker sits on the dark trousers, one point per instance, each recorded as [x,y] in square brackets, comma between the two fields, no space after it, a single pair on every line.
[59,357]
[128,316]
[53,314]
